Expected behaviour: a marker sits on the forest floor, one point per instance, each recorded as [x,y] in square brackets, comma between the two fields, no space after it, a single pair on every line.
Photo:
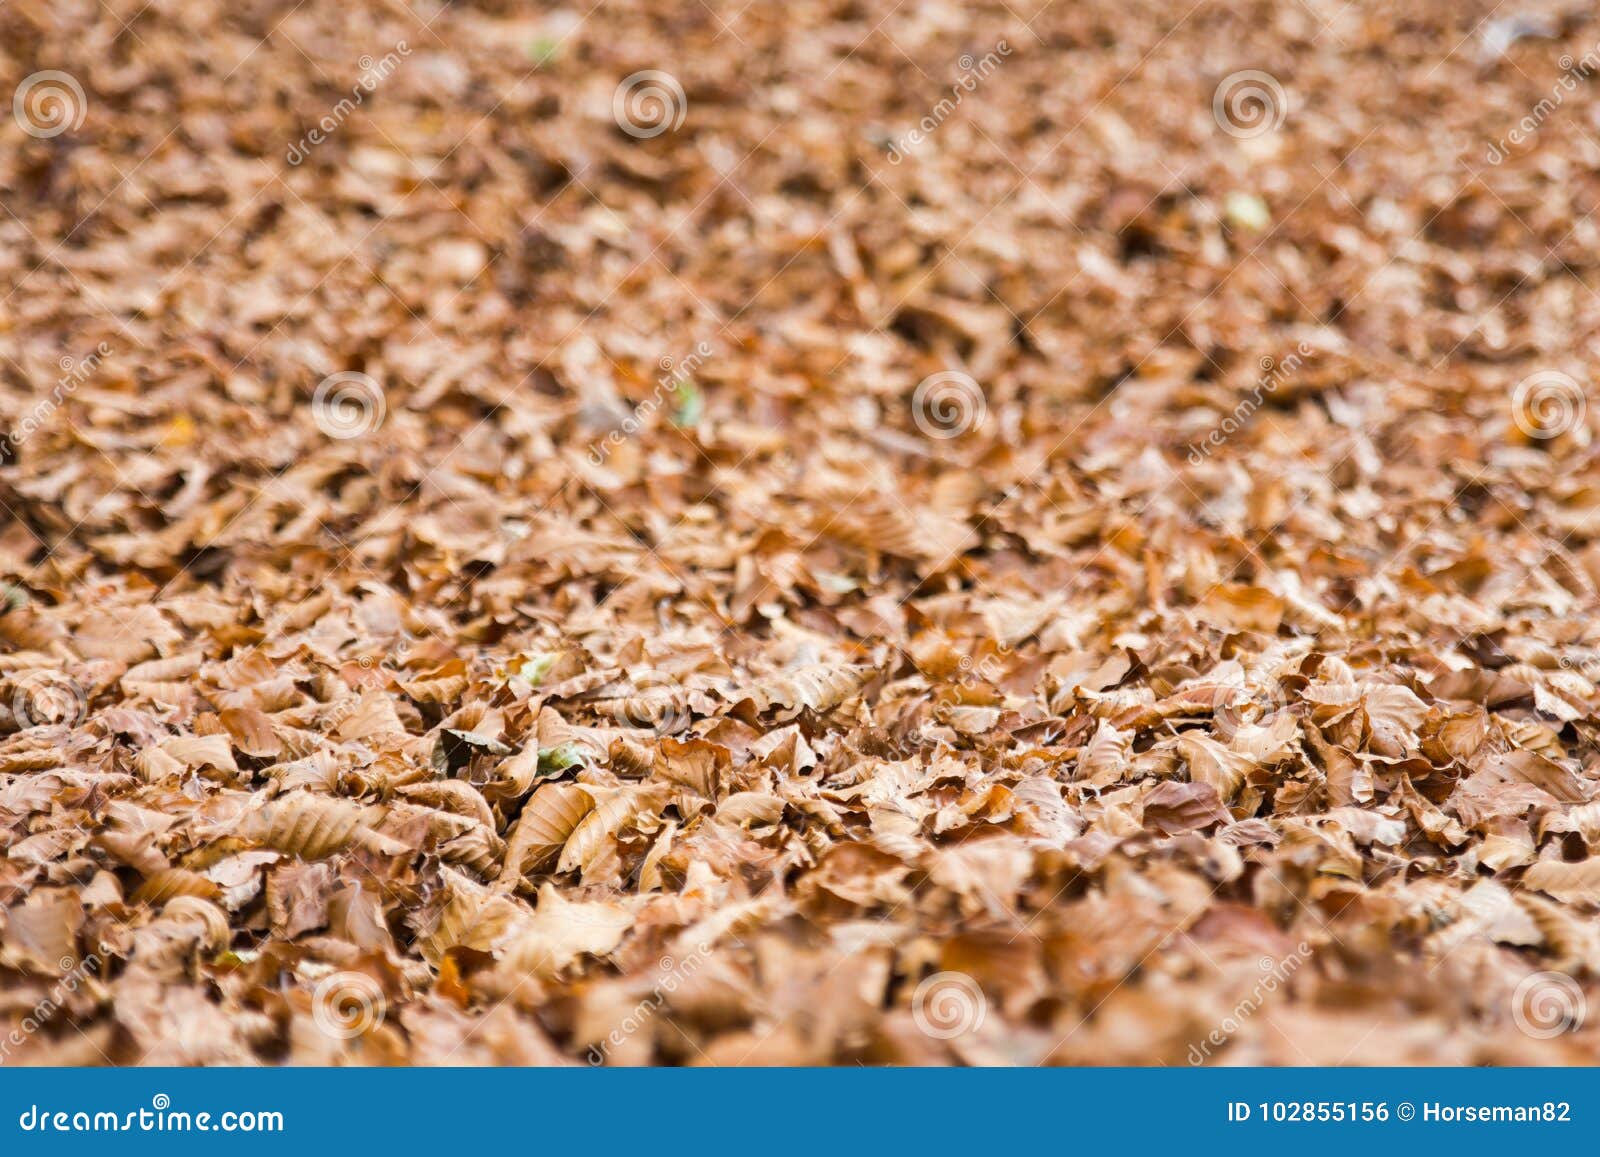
[811,533]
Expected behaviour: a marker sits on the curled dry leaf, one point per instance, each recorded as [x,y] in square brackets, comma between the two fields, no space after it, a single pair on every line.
[311,827]
[547,822]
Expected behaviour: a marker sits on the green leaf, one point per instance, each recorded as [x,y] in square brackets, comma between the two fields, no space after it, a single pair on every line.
[536,666]
[689,404]
[555,760]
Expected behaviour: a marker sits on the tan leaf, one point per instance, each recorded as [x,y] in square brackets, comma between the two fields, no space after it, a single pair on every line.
[561,931]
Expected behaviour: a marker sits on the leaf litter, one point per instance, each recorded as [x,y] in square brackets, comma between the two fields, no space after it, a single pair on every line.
[566,710]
